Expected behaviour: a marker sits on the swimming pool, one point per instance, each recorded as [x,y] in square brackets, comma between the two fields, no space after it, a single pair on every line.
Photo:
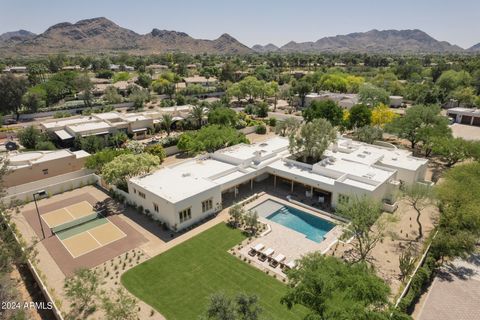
[314,228]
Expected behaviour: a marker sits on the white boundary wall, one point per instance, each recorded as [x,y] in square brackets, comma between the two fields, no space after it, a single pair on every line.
[52,186]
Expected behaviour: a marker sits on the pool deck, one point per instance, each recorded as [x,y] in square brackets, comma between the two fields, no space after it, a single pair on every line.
[286,241]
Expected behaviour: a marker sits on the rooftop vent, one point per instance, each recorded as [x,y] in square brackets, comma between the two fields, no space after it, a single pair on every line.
[361,155]
[367,152]
[263,144]
[186,174]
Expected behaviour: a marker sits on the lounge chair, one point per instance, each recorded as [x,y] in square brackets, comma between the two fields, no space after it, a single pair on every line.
[290,265]
[277,260]
[254,250]
[266,254]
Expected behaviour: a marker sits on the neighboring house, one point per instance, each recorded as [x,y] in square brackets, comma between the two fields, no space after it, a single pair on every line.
[200,80]
[186,193]
[396,101]
[121,86]
[344,100]
[25,167]
[72,68]
[101,124]
[157,68]
[465,116]
[19,69]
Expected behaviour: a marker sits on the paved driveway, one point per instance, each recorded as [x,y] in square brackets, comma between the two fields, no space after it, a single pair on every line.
[455,293]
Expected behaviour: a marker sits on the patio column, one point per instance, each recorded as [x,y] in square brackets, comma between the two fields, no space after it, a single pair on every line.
[251,184]
[292,187]
[274,182]
[311,192]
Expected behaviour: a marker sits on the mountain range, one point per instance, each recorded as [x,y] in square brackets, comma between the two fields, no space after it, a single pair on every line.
[100,35]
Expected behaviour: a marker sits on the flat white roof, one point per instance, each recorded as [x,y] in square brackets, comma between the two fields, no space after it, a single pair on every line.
[184,180]
[24,159]
[66,122]
[89,126]
[64,135]
[248,151]
[469,111]
[352,163]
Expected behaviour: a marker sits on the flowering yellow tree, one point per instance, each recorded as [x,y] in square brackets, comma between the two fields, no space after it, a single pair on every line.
[381,115]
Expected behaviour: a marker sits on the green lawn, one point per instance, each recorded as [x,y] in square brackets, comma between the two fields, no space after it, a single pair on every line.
[178,283]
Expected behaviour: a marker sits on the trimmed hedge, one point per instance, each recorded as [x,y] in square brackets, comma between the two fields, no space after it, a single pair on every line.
[420,282]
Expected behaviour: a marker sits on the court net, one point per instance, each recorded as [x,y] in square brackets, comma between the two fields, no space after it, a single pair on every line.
[77,222]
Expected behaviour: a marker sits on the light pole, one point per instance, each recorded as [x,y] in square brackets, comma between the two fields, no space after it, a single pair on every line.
[40,193]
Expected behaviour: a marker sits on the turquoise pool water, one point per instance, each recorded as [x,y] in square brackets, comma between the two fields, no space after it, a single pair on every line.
[314,228]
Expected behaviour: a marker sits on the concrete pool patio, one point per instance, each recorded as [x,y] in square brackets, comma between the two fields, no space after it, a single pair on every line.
[290,243]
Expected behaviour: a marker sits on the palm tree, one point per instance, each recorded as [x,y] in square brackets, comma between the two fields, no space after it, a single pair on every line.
[197,113]
[167,121]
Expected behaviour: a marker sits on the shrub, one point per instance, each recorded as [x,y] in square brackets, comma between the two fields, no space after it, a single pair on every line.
[272,122]
[261,129]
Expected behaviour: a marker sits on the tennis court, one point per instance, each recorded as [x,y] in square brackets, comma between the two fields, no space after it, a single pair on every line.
[89,236]
[81,229]
[69,213]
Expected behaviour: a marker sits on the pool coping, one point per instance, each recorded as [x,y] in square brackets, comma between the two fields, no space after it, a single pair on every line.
[337,229]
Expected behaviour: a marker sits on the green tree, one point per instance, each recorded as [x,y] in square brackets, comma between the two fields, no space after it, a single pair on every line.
[312,140]
[156,150]
[459,223]
[243,307]
[112,96]
[12,90]
[451,150]
[122,307]
[210,139]
[287,126]
[372,95]
[221,307]
[198,113]
[118,139]
[236,213]
[364,225]
[90,144]
[167,121]
[30,136]
[369,134]
[125,166]
[451,80]
[302,88]
[36,73]
[251,221]
[32,101]
[223,116]
[144,80]
[417,123]
[332,289]
[84,87]
[326,109]
[98,160]
[360,116]
[138,97]
[81,289]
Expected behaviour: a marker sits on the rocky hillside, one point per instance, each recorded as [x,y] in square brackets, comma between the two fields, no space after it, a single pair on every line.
[267,48]
[102,35]
[475,48]
[385,41]
[16,36]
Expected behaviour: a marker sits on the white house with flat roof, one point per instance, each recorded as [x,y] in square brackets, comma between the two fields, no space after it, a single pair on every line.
[186,193]
[465,116]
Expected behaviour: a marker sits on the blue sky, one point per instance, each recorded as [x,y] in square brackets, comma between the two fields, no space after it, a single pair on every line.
[257,21]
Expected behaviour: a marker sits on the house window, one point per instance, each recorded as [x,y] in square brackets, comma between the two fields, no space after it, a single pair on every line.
[343,198]
[207,205]
[155,207]
[185,215]
[45,171]
[134,190]
[141,194]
